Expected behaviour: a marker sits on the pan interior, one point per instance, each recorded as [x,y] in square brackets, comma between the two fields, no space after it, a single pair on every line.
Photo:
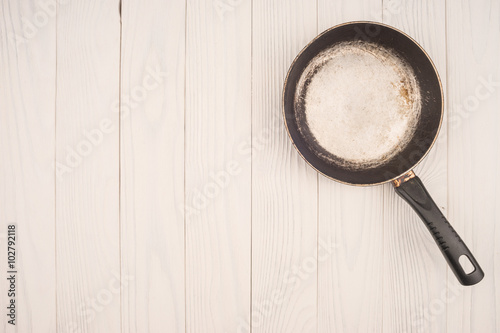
[361,104]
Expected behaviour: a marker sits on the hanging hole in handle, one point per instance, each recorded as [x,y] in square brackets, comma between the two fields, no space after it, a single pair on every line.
[466,264]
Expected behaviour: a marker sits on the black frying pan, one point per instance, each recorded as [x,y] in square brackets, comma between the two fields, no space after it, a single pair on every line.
[331,103]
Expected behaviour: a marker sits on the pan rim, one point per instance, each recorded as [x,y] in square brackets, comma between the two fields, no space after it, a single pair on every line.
[285,83]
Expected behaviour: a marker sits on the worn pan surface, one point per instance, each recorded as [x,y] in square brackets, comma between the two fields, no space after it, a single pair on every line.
[363,105]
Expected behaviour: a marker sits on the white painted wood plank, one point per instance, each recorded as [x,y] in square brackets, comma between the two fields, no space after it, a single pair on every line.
[152,165]
[87,195]
[350,279]
[27,110]
[414,269]
[284,187]
[474,146]
[217,172]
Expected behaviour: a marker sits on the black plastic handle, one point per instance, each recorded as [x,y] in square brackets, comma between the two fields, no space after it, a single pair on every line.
[412,190]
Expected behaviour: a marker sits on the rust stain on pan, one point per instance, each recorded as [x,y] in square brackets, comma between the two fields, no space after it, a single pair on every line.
[403,91]
[404,178]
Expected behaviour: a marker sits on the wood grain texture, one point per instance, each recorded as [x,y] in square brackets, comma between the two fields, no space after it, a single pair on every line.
[152,166]
[284,188]
[350,279]
[217,171]
[27,109]
[87,195]
[414,269]
[473,29]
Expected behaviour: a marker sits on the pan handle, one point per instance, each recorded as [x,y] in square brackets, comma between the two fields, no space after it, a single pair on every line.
[412,190]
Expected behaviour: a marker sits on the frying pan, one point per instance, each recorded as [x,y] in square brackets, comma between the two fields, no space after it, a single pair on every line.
[363,105]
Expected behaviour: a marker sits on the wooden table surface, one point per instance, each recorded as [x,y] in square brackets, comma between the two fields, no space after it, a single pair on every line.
[153,188]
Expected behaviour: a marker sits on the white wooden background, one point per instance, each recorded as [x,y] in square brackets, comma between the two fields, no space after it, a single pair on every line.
[145,163]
